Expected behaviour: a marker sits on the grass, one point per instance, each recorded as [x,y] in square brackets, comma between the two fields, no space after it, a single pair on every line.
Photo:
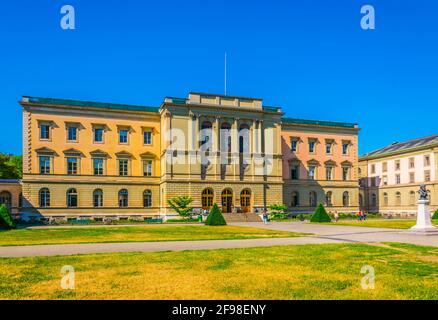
[329,271]
[389,223]
[134,234]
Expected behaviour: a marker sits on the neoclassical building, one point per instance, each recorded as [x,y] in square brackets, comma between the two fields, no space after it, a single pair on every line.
[94,160]
[390,176]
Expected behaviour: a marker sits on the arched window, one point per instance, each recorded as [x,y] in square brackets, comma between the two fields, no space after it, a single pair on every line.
[98,198]
[295,199]
[147,198]
[312,199]
[245,200]
[44,198]
[398,198]
[412,198]
[6,199]
[207,198]
[385,199]
[123,198]
[346,199]
[72,198]
[328,199]
[373,200]
[244,138]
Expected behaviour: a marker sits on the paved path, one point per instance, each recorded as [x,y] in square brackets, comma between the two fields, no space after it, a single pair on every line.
[323,234]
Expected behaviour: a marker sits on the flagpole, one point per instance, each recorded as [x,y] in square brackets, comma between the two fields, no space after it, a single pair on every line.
[225,80]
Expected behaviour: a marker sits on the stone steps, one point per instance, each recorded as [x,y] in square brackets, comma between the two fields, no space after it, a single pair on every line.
[241,217]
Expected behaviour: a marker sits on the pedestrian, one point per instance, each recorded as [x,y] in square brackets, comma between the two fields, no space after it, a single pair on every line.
[265,217]
[336,215]
[359,215]
[364,216]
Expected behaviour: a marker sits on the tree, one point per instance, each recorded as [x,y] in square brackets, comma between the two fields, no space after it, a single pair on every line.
[277,211]
[435,215]
[181,205]
[11,167]
[6,220]
[320,215]
[215,218]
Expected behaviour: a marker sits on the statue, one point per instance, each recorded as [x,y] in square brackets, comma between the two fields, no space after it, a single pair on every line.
[423,193]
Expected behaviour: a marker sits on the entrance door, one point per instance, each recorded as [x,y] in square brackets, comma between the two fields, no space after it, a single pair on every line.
[245,200]
[227,201]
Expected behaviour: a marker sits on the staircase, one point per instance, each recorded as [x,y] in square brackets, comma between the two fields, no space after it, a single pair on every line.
[241,217]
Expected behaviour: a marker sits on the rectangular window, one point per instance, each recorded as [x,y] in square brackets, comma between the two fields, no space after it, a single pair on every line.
[397,165]
[345,173]
[294,145]
[123,167]
[329,173]
[72,134]
[411,163]
[328,148]
[123,136]
[373,168]
[312,144]
[98,167]
[427,176]
[44,165]
[147,137]
[295,172]
[72,165]
[385,180]
[397,179]
[345,147]
[412,177]
[98,135]
[426,161]
[311,172]
[44,132]
[385,167]
[147,168]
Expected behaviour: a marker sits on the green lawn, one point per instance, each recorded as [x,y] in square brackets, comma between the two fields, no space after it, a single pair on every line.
[389,223]
[134,234]
[329,271]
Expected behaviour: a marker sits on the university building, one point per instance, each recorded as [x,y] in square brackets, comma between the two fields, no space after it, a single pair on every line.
[93,160]
[390,176]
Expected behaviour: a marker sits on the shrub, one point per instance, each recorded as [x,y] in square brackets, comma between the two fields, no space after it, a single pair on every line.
[6,220]
[320,215]
[277,211]
[215,218]
[435,215]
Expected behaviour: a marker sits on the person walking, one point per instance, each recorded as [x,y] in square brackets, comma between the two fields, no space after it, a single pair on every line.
[265,217]
[336,215]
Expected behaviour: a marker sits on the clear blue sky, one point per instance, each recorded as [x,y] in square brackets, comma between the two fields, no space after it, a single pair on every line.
[310,57]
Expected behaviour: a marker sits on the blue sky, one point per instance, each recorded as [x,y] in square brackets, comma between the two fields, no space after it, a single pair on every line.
[309,57]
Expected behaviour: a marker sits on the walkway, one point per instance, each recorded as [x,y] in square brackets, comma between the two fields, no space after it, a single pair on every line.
[323,234]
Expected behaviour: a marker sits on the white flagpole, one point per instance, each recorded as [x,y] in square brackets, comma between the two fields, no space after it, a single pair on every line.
[225,73]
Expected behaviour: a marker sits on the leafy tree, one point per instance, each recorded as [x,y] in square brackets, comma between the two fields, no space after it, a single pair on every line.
[277,211]
[320,215]
[11,167]
[6,220]
[215,218]
[181,205]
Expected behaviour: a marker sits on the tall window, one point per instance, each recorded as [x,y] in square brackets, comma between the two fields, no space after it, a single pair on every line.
[385,199]
[312,172]
[98,166]
[312,144]
[345,147]
[329,173]
[295,199]
[244,138]
[44,198]
[44,165]
[72,165]
[225,138]
[397,198]
[294,145]
[346,199]
[98,135]
[6,199]
[385,167]
[411,163]
[312,199]
[397,165]
[328,199]
[328,147]
[44,132]
[123,136]
[147,198]
[72,198]
[345,173]
[427,176]
[147,137]
[373,168]
[397,179]
[123,198]
[207,198]
[123,167]
[72,134]
[411,177]
[412,198]
[426,160]
[98,198]
[147,168]
[294,171]
[385,180]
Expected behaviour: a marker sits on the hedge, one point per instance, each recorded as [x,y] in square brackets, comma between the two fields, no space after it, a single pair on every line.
[320,215]
[6,220]
[215,218]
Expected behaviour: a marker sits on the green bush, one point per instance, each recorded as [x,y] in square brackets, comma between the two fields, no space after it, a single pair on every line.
[6,220]
[277,212]
[215,218]
[435,215]
[320,215]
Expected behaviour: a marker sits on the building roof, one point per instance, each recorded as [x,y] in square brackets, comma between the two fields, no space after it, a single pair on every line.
[401,147]
[88,104]
[224,96]
[13,181]
[319,123]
